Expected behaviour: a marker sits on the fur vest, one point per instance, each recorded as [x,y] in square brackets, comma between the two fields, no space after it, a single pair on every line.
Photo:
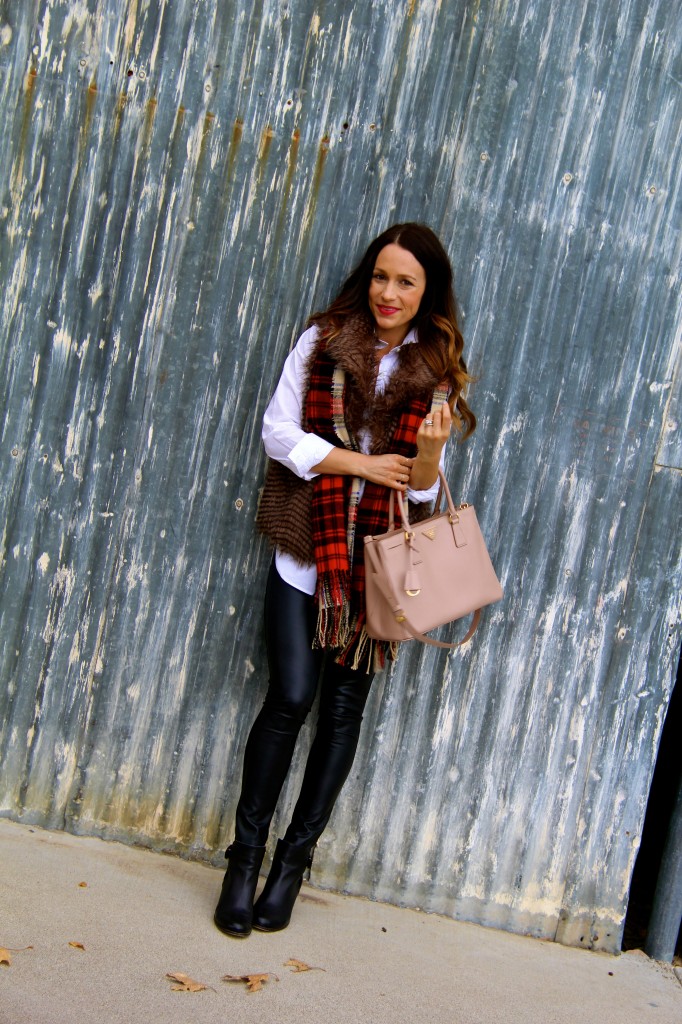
[284,513]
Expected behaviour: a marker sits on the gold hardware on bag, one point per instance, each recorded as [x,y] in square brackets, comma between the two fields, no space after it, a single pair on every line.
[431,534]
[413,593]
[400,618]
[409,535]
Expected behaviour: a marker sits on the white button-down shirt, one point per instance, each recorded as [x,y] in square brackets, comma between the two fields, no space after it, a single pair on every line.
[285,440]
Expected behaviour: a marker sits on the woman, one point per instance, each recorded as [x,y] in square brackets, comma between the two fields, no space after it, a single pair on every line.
[360,408]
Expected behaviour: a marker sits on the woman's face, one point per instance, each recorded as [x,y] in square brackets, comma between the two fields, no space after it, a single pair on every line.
[395,292]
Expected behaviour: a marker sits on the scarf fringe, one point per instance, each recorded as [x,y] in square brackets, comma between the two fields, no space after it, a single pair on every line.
[333,627]
[369,653]
[333,617]
[357,647]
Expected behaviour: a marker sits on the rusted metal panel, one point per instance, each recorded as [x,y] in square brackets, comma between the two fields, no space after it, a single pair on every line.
[181,185]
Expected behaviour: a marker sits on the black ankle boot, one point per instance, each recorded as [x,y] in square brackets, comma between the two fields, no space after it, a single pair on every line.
[235,906]
[273,908]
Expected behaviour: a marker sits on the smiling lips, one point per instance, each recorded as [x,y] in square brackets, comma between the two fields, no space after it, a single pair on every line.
[387,310]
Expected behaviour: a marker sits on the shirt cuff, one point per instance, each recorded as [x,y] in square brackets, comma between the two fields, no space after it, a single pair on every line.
[419,497]
[310,450]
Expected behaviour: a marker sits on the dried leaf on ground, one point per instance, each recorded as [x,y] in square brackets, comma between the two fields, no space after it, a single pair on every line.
[77,945]
[298,966]
[185,983]
[253,982]
[6,959]
[82,885]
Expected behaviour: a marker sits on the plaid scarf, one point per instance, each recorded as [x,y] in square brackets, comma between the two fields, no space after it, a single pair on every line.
[340,402]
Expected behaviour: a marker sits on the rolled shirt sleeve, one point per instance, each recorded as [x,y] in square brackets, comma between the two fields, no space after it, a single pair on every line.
[283,437]
[419,497]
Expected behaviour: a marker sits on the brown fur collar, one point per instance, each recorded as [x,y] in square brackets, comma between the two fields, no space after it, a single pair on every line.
[354,350]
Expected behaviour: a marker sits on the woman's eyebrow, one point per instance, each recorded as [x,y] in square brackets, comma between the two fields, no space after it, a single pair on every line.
[380,270]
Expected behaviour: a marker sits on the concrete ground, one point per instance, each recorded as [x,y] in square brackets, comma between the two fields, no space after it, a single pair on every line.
[141,915]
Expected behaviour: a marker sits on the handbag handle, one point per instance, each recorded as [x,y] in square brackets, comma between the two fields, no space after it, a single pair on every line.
[403,507]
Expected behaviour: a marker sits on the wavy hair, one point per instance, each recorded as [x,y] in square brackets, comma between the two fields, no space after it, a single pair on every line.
[439,337]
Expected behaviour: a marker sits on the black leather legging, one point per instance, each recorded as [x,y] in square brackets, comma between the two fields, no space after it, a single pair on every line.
[295,669]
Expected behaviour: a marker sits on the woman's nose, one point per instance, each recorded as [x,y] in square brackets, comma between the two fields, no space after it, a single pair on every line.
[388,291]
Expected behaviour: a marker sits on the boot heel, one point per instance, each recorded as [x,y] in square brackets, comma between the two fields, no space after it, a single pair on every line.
[309,864]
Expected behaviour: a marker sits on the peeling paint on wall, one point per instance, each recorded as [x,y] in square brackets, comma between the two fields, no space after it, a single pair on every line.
[181,186]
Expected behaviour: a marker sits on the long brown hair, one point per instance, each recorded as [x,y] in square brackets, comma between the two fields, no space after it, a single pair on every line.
[439,337]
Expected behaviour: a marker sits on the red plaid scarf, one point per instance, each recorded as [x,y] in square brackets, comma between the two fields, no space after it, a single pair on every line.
[342,380]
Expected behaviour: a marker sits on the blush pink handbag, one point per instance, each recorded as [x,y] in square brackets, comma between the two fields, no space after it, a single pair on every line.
[422,576]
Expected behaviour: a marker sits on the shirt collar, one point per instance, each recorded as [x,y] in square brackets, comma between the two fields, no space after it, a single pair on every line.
[409,338]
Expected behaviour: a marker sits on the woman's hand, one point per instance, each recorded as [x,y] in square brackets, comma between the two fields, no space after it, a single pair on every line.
[389,470]
[431,436]
[434,432]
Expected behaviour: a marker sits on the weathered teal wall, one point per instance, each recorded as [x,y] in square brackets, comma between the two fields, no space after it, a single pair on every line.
[181,184]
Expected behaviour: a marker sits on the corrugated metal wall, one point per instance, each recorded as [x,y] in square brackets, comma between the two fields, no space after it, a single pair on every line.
[181,184]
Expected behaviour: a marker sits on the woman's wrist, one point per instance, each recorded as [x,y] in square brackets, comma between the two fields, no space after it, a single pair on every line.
[343,462]
[424,471]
